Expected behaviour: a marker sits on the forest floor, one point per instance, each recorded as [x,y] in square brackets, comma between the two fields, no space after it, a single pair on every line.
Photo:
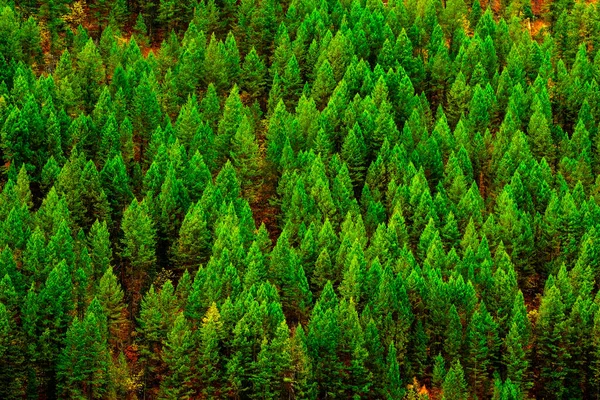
[264,211]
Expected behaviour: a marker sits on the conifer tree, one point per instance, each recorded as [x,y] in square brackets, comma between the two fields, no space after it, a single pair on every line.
[595,362]
[12,344]
[277,133]
[110,296]
[457,100]
[354,154]
[93,196]
[483,341]
[83,365]
[393,381]
[540,137]
[454,386]
[253,75]
[210,335]
[156,320]
[215,66]
[245,155]
[47,316]
[117,187]
[322,341]
[230,122]
[138,243]
[192,248]
[176,355]
[552,352]
[145,116]
[15,139]
[439,371]
[173,201]
[418,165]
[272,364]
[91,74]
[324,85]
[454,335]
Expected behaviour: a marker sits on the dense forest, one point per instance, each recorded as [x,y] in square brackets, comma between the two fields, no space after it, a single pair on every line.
[299,199]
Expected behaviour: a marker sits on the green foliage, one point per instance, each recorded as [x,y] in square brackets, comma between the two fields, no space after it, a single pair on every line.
[178,347]
[138,243]
[110,296]
[423,175]
[454,386]
[83,364]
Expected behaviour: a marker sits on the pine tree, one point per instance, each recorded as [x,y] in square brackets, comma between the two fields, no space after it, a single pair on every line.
[173,202]
[157,317]
[15,139]
[12,344]
[117,188]
[145,116]
[439,371]
[301,365]
[354,154]
[91,74]
[232,58]
[244,154]
[47,316]
[61,246]
[192,248]
[215,64]
[393,384]
[482,339]
[540,137]
[278,133]
[210,334]
[322,341]
[552,352]
[55,145]
[139,244]
[273,363]
[253,75]
[100,248]
[49,174]
[197,176]
[457,100]
[324,85]
[93,197]
[454,386]
[229,123]
[69,185]
[173,13]
[454,335]
[176,355]
[110,296]
[291,82]
[82,370]
[34,257]
[516,358]
[595,356]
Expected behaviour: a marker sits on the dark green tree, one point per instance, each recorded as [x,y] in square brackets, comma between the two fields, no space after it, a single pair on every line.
[83,365]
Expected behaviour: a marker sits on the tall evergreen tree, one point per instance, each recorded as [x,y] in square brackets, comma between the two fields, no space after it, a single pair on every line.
[83,366]
[138,246]
[455,386]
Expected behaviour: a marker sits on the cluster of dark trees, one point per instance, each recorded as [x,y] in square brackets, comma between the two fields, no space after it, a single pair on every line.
[428,173]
